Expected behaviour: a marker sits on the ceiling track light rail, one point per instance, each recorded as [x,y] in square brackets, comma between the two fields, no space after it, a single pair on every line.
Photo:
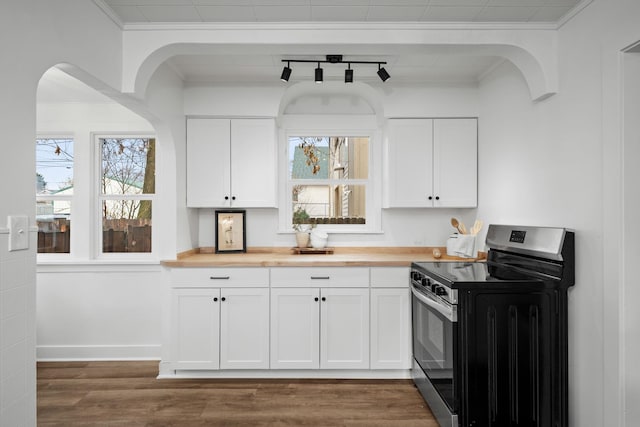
[333,59]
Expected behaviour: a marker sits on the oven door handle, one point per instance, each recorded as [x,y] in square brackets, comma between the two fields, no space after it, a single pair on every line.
[447,311]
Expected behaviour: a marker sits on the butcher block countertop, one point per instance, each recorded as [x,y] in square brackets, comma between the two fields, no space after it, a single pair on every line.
[286,257]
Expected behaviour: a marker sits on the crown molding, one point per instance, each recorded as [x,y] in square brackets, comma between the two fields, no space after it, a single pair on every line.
[110,13]
[333,26]
[573,12]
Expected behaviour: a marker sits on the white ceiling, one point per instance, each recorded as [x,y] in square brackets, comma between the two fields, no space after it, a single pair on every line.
[263,64]
[137,11]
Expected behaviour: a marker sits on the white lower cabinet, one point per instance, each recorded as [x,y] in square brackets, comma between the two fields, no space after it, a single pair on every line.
[244,328]
[390,328]
[295,328]
[339,318]
[195,328]
[390,318]
[220,328]
[326,328]
[344,328]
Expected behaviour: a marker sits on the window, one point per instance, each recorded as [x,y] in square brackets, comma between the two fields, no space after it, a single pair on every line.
[328,180]
[127,187]
[54,191]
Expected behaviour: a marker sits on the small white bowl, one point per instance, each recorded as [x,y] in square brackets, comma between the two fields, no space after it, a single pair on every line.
[319,239]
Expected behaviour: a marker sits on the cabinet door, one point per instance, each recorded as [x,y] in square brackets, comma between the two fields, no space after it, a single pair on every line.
[390,328]
[410,159]
[254,163]
[344,328]
[455,162]
[244,328]
[295,338]
[195,328]
[208,162]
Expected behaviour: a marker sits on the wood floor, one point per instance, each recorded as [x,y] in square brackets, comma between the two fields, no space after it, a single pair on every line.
[127,394]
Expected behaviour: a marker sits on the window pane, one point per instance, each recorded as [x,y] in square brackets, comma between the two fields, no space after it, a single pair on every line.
[126,226]
[336,157]
[54,166]
[330,204]
[128,165]
[53,218]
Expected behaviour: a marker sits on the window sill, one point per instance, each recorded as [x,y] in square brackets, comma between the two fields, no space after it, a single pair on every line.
[59,261]
[96,266]
[338,231]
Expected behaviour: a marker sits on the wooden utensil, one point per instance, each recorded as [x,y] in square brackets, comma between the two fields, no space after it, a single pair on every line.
[456,224]
[462,228]
[477,226]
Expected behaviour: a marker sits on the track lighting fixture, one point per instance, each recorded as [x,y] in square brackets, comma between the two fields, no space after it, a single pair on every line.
[333,59]
[286,73]
[384,76]
[348,75]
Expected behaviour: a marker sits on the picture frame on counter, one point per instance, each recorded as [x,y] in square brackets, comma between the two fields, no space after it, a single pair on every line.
[231,233]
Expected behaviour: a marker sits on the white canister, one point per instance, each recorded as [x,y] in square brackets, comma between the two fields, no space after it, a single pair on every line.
[319,239]
[461,245]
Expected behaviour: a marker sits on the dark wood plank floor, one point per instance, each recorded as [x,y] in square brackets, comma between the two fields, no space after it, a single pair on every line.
[128,394]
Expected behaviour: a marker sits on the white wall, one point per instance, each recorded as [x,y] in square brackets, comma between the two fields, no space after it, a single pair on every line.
[99,312]
[539,175]
[402,227]
[85,309]
[557,162]
[34,35]
[164,102]
[631,236]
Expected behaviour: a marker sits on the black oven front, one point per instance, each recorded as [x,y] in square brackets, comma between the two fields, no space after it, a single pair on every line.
[435,329]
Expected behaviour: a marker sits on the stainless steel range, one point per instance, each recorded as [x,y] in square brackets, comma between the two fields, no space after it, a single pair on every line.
[490,338]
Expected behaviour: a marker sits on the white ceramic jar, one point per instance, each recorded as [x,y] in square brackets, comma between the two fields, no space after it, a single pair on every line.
[319,239]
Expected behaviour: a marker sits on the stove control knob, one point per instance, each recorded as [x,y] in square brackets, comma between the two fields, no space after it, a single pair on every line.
[434,287]
[415,275]
[440,290]
[425,281]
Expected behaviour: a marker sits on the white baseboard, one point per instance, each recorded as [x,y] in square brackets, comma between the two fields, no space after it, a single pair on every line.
[167,373]
[51,353]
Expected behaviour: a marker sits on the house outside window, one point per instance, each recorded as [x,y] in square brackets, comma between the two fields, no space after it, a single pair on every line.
[126,192]
[328,180]
[54,194]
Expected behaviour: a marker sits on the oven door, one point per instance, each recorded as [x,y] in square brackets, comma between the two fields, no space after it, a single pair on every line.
[435,330]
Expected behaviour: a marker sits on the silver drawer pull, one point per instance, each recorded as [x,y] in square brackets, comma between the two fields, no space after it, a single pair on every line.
[320,277]
[219,277]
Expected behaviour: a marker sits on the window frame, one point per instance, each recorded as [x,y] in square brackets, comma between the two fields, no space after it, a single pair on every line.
[352,126]
[71,198]
[98,197]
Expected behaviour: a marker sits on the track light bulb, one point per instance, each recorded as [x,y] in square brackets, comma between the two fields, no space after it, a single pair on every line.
[382,73]
[348,75]
[318,74]
[286,73]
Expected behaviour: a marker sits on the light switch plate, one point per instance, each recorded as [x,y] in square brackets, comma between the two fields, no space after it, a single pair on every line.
[18,232]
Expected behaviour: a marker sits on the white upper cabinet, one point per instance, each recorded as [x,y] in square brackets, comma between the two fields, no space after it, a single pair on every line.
[432,163]
[410,159]
[455,163]
[231,163]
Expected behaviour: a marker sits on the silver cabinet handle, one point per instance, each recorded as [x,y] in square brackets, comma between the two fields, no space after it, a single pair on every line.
[219,277]
[320,277]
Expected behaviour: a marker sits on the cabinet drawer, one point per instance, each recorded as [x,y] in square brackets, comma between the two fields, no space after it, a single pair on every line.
[322,277]
[390,277]
[219,277]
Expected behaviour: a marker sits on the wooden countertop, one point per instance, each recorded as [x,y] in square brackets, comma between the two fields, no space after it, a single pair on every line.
[285,257]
